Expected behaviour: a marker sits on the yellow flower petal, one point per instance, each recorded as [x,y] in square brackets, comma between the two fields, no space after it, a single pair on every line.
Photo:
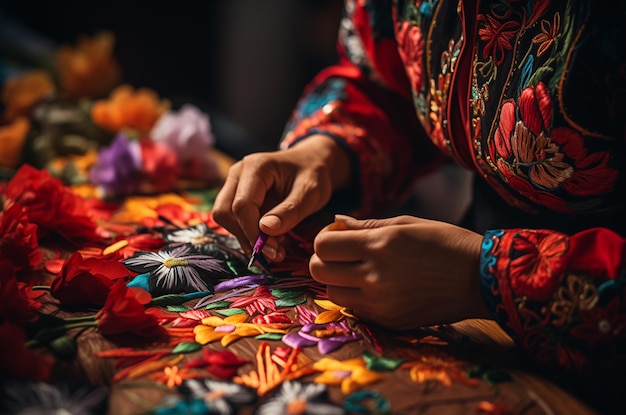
[206,334]
[236,319]
[328,317]
[328,305]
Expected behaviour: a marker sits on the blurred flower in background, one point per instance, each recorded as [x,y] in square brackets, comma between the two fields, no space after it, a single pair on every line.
[68,112]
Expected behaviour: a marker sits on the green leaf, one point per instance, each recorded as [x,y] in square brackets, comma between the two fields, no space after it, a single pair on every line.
[269,336]
[168,299]
[177,308]
[187,347]
[64,347]
[380,364]
[279,293]
[230,311]
[289,302]
[217,304]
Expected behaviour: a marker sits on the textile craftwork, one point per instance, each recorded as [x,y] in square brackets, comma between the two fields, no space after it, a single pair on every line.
[120,294]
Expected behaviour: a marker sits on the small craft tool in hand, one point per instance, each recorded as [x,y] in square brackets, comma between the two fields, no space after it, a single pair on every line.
[257,257]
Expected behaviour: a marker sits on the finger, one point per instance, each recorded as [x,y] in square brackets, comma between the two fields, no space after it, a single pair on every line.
[223,208]
[249,196]
[341,274]
[351,298]
[348,222]
[303,199]
[342,246]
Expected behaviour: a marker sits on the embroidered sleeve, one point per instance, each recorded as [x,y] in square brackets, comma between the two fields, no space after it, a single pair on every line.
[364,103]
[560,297]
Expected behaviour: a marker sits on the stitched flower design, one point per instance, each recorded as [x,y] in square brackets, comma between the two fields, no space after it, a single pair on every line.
[230,329]
[536,267]
[548,34]
[177,270]
[411,50]
[576,294]
[300,398]
[539,161]
[327,337]
[206,240]
[214,396]
[497,35]
[351,374]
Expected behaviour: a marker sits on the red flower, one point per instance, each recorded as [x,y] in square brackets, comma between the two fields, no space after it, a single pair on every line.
[17,360]
[18,239]
[537,267]
[86,281]
[498,37]
[223,365]
[411,50]
[15,307]
[537,161]
[160,165]
[50,205]
[124,319]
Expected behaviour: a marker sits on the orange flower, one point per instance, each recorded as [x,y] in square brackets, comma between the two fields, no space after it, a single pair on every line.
[20,93]
[127,109]
[12,138]
[89,70]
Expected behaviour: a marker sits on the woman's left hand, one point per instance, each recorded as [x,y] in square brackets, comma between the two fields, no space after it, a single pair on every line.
[401,272]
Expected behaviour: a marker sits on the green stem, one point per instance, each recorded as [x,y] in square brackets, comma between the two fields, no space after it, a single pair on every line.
[45,336]
[40,287]
[91,317]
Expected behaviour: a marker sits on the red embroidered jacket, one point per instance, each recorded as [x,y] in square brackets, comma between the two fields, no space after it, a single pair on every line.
[529,95]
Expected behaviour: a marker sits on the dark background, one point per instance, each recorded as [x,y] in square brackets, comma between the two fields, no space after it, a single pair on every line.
[245,62]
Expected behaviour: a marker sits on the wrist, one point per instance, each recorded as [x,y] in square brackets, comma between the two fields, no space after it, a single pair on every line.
[332,155]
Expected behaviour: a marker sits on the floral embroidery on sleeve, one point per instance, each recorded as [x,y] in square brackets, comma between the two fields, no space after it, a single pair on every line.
[541,293]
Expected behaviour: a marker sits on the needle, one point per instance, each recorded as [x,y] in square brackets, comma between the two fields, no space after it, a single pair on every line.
[257,255]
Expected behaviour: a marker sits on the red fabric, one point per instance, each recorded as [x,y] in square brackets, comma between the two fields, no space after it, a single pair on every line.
[598,252]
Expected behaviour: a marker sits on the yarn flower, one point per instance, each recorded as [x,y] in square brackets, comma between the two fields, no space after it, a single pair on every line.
[213,397]
[300,398]
[123,317]
[230,329]
[177,270]
[327,337]
[116,171]
[351,374]
[187,132]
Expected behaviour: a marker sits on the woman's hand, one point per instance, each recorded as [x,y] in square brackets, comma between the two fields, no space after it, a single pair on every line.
[402,272]
[274,191]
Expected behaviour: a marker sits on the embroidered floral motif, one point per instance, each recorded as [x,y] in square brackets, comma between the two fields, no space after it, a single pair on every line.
[351,374]
[411,49]
[549,31]
[539,161]
[578,294]
[300,398]
[177,270]
[499,36]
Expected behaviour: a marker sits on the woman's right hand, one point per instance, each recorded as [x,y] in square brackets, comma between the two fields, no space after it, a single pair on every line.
[274,191]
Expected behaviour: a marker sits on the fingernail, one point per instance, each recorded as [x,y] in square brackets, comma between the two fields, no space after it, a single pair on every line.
[271,221]
[269,252]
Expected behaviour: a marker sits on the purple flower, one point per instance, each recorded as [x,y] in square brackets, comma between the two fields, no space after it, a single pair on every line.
[117,166]
[328,337]
[188,132]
